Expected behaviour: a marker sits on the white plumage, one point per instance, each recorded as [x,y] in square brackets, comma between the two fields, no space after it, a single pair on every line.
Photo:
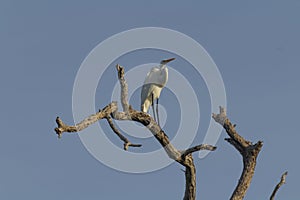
[155,80]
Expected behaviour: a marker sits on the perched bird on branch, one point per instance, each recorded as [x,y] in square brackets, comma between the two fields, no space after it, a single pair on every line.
[155,81]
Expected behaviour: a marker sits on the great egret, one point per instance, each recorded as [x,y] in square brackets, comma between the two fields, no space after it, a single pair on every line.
[155,80]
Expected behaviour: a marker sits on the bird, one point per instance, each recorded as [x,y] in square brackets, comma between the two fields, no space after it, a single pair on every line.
[154,82]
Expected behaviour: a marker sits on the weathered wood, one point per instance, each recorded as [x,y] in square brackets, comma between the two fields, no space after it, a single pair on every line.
[111,112]
[248,151]
[281,182]
[62,127]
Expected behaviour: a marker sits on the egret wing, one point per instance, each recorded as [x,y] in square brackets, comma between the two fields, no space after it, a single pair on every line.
[146,93]
[149,85]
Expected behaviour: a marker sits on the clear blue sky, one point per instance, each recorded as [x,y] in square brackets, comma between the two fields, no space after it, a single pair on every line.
[42,44]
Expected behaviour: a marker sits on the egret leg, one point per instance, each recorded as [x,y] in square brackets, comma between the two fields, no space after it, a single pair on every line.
[157,112]
[153,107]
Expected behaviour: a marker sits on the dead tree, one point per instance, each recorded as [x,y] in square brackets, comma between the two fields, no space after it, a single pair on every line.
[249,153]
[248,150]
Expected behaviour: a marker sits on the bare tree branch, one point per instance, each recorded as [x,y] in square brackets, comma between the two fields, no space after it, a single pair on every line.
[111,111]
[198,148]
[222,119]
[105,113]
[235,144]
[144,118]
[123,138]
[124,88]
[190,178]
[186,159]
[248,150]
[62,127]
[281,182]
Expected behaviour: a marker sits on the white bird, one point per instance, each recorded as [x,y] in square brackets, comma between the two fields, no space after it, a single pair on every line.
[155,80]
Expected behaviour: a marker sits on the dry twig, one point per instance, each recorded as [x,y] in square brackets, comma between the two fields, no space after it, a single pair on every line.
[281,182]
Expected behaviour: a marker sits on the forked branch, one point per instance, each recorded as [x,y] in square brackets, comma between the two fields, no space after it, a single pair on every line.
[62,127]
[111,112]
[248,150]
[122,137]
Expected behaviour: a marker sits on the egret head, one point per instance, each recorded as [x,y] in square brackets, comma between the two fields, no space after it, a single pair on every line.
[164,62]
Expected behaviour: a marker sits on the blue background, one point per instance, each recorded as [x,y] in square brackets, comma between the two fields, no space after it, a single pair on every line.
[42,44]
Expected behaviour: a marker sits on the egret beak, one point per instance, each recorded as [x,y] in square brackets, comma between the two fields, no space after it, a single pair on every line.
[168,60]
